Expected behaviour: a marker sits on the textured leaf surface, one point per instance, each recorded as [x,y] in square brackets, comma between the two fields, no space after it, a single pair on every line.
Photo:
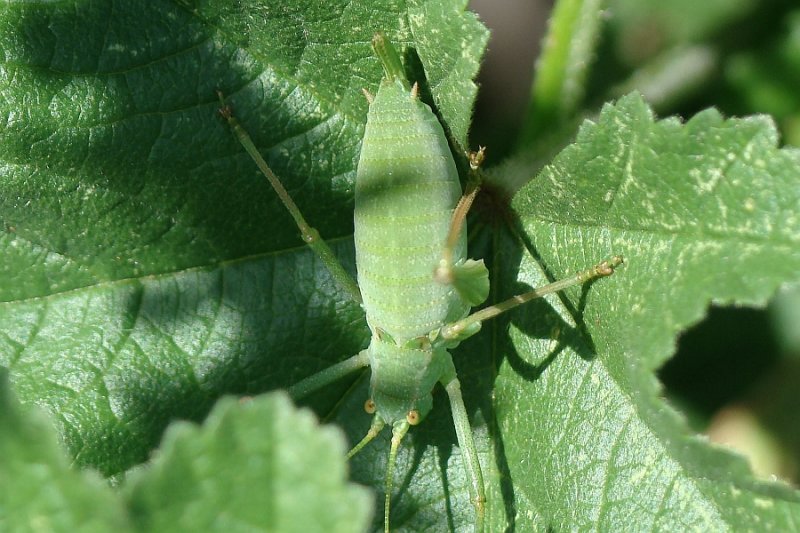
[147,267]
[703,211]
[254,465]
[40,490]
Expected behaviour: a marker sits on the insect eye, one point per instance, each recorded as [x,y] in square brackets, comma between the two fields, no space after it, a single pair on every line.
[369,406]
[413,417]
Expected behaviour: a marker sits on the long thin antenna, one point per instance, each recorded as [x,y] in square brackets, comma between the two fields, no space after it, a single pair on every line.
[374,429]
[398,432]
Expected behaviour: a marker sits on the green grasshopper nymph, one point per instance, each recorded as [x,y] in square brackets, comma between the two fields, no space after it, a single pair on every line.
[408,196]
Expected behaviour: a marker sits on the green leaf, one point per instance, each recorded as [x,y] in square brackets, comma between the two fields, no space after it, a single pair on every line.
[147,267]
[713,203]
[450,43]
[255,464]
[40,490]
[703,212]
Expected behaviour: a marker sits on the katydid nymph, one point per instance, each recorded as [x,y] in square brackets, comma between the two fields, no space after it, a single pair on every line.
[408,197]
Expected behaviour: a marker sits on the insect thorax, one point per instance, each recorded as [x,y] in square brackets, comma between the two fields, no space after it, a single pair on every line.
[406,188]
[403,377]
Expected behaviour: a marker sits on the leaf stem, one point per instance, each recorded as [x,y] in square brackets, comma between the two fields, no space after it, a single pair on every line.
[567,51]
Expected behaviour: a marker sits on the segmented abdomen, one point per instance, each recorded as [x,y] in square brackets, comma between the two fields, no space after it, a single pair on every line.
[406,188]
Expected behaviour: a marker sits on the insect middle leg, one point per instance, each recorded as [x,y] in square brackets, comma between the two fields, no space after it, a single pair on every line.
[468,326]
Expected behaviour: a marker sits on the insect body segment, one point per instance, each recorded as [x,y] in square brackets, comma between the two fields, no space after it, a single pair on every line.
[406,189]
[403,378]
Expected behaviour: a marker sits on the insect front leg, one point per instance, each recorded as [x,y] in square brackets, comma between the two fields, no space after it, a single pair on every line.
[325,377]
[469,277]
[310,235]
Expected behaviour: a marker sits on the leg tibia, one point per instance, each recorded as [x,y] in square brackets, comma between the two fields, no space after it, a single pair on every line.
[605,268]
[309,234]
[329,375]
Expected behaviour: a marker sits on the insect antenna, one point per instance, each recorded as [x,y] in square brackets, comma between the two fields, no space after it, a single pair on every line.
[398,432]
[374,429]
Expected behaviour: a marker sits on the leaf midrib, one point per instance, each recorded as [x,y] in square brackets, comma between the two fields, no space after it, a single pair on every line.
[221,265]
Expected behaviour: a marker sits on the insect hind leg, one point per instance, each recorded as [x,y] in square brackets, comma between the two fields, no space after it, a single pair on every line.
[309,234]
[469,277]
[333,373]
[467,444]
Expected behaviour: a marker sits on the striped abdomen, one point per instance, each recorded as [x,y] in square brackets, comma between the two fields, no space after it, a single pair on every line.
[406,188]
